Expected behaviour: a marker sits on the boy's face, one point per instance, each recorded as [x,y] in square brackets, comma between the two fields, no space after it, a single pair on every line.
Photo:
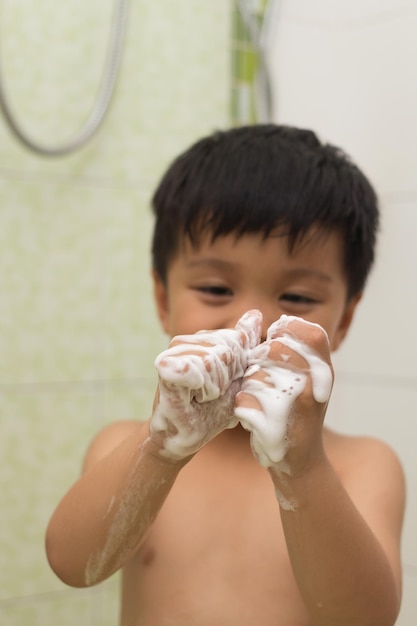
[212,286]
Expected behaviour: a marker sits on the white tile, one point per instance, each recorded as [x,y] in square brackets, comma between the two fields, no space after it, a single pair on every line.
[408,611]
[327,13]
[382,339]
[357,88]
[385,409]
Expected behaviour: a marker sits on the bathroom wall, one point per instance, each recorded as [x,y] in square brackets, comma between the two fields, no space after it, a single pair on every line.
[78,331]
[347,69]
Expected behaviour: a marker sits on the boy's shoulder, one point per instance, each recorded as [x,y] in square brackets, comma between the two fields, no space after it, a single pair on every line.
[341,443]
[369,469]
[109,438]
[356,454]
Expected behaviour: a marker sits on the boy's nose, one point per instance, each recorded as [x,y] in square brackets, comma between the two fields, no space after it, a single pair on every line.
[266,323]
[270,313]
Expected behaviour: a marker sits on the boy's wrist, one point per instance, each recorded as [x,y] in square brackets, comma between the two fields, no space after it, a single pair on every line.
[158,451]
[295,487]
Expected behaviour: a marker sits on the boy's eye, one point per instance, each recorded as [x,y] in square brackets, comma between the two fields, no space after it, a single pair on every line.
[215,290]
[296,298]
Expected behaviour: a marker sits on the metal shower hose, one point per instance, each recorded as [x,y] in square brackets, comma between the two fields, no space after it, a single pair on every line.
[101,104]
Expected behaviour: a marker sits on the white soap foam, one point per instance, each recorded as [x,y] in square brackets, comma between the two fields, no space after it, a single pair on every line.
[197,391]
[320,371]
[120,541]
[277,391]
[275,395]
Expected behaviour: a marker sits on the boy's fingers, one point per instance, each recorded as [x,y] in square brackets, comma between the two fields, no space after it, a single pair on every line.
[310,334]
[210,358]
[251,324]
[310,343]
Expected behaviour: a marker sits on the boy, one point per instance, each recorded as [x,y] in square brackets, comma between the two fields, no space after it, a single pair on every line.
[234,504]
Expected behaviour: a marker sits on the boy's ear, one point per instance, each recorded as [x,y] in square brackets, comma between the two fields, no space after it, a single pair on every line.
[345,321]
[161,300]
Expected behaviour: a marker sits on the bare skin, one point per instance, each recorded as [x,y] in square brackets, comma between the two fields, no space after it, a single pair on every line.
[200,535]
[217,551]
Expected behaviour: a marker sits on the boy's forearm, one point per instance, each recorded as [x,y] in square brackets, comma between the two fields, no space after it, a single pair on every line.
[105,516]
[342,572]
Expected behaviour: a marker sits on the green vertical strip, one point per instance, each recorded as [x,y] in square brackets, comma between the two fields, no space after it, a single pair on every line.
[244,65]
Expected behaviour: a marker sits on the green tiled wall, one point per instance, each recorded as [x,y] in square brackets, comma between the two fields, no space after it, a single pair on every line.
[245,61]
[78,330]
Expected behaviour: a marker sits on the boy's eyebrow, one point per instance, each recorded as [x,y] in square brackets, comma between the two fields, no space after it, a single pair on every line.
[306,271]
[211,261]
[299,272]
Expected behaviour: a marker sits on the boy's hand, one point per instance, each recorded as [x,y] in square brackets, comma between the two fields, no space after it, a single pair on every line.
[199,376]
[284,394]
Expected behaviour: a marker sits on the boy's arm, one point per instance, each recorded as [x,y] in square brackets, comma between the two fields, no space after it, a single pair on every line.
[342,539]
[344,547]
[104,518]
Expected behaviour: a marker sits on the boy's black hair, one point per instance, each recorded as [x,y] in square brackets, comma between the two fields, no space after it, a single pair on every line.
[253,179]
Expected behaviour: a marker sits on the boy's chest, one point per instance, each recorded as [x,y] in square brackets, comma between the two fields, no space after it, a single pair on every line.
[216,552]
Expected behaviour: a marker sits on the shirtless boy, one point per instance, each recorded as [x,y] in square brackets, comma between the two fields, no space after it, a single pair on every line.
[233,504]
